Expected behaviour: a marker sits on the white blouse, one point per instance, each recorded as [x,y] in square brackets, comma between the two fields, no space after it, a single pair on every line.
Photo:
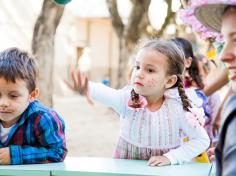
[156,130]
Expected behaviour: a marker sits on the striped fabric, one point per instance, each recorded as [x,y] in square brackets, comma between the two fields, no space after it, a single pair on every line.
[38,137]
[127,150]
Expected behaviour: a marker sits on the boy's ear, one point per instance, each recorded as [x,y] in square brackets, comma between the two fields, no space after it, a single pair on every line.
[34,95]
[170,81]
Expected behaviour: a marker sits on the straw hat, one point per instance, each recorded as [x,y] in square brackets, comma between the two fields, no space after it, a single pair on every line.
[204,16]
[210,15]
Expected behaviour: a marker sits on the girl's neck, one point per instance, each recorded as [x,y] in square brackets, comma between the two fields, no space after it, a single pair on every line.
[154,103]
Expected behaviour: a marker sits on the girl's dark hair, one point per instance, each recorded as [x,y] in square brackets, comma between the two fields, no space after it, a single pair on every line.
[193,70]
[17,64]
[175,62]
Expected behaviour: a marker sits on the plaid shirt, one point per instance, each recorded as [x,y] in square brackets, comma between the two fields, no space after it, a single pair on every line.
[37,137]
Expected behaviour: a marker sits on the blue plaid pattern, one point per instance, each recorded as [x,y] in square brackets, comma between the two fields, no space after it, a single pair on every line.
[37,137]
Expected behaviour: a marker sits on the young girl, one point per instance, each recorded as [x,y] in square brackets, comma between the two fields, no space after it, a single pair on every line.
[154,109]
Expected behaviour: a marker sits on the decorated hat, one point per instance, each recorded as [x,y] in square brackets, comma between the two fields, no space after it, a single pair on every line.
[204,16]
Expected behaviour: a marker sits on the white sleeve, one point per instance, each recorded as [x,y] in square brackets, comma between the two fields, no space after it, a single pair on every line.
[198,143]
[193,97]
[108,96]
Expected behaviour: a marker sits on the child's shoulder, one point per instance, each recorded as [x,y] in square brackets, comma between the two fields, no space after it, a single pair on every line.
[172,99]
[172,94]
[38,109]
[37,106]
[193,97]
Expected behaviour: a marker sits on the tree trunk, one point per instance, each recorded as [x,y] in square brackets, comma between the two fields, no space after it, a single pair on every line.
[43,47]
[124,58]
[128,34]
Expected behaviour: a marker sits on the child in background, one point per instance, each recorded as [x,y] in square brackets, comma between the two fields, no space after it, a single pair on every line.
[207,70]
[192,77]
[154,109]
[29,132]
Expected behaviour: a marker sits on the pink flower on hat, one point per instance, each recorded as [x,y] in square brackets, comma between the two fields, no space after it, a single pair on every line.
[189,18]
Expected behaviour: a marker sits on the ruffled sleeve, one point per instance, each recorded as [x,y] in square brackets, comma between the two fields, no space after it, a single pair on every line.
[191,124]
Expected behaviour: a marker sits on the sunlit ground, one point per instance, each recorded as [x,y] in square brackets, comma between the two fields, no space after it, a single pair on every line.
[90,130]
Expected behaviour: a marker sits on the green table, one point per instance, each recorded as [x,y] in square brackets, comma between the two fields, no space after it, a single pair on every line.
[108,166]
[91,166]
[27,170]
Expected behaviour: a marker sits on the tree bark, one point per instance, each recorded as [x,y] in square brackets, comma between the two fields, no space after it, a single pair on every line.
[170,15]
[128,34]
[43,47]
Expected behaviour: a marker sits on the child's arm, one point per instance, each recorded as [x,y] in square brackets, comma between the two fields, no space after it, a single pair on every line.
[79,84]
[220,80]
[108,96]
[49,144]
[198,142]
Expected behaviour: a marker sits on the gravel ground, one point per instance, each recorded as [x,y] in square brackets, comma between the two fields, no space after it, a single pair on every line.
[90,130]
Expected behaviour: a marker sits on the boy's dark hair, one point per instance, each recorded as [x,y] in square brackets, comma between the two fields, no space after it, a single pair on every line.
[17,64]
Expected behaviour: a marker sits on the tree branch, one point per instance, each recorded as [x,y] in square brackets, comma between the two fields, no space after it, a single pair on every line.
[115,17]
[137,15]
[170,15]
[47,22]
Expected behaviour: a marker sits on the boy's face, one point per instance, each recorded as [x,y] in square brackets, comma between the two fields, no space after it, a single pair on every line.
[14,99]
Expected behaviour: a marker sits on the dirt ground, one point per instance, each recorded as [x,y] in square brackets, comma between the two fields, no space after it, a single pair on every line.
[90,130]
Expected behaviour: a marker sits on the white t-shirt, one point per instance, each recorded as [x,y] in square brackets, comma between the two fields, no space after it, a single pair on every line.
[4,132]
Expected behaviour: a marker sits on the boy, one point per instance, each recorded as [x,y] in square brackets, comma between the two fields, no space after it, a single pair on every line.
[29,132]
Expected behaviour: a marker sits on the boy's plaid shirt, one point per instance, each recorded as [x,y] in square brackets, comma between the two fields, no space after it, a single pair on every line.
[37,137]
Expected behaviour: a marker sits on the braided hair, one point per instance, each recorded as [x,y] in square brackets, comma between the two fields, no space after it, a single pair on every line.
[175,67]
[135,100]
[183,96]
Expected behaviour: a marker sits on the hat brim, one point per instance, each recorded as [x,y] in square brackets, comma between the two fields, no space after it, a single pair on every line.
[210,15]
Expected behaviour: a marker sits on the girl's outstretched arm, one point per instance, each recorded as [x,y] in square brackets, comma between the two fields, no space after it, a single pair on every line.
[116,99]
[108,96]
[79,84]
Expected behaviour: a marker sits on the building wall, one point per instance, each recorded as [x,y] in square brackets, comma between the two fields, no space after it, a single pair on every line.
[17,19]
[97,35]
[104,45]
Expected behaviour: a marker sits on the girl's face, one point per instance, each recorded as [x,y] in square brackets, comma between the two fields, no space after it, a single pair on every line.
[149,76]
[229,51]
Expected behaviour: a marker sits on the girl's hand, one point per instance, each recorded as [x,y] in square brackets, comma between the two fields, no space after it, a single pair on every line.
[158,161]
[211,153]
[79,84]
